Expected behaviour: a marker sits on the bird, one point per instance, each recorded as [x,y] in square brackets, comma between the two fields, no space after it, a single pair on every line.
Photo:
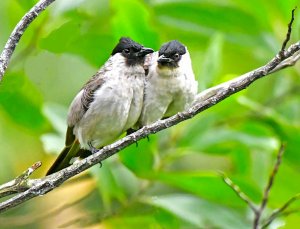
[170,85]
[107,105]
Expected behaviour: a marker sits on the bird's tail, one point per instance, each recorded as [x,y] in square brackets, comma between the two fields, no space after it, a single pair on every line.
[64,158]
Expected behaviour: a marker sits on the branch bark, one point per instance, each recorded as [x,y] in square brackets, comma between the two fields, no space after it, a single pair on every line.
[204,100]
[20,183]
[17,33]
[259,212]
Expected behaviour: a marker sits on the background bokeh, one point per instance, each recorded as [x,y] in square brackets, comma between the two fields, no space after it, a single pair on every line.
[170,181]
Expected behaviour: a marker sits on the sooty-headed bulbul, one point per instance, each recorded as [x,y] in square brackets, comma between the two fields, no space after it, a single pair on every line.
[170,83]
[107,105]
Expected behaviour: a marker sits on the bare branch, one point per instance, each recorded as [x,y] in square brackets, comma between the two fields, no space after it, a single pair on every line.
[264,201]
[291,61]
[281,210]
[239,193]
[258,211]
[204,100]
[17,33]
[20,183]
[289,32]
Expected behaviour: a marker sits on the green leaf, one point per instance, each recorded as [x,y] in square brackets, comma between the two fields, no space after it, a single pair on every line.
[20,99]
[212,63]
[72,37]
[205,184]
[139,158]
[27,5]
[203,18]
[59,77]
[132,18]
[56,114]
[200,213]
[107,185]
[140,215]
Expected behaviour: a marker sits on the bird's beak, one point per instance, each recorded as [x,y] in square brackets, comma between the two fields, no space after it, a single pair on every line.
[162,59]
[144,51]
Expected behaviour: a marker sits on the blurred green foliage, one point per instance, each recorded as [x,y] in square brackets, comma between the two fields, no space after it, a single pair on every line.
[170,181]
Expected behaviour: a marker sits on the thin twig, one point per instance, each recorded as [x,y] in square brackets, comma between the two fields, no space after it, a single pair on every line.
[268,188]
[31,47]
[17,33]
[20,183]
[289,32]
[280,210]
[239,193]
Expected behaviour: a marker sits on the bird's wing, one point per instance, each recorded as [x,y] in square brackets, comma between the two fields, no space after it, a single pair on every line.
[81,102]
[90,87]
[78,107]
[83,99]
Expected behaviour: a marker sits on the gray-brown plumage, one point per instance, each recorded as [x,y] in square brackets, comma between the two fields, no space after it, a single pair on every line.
[108,104]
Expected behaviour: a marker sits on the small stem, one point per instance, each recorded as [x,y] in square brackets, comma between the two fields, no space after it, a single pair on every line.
[20,183]
[239,193]
[288,35]
[280,210]
[268,187]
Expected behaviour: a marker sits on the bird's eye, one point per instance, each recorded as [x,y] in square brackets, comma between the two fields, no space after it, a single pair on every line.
[126,51]
[176,56]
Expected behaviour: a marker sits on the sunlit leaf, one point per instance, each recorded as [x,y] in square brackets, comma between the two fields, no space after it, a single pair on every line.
[139,158]
[56,114]
[198,212]
[22,102]
[212,62]
[72,37]
[202,184]
[203,18]
[107,186]
[136,24]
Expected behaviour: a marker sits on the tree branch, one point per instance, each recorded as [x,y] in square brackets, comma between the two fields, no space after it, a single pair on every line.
[289,32]
[204,100]
[239,193]
[17,33]
[20,183]
[258,211]
[281,210]
[258,214]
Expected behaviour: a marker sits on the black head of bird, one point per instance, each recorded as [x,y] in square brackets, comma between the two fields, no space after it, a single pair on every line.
[131,50]
[170,54]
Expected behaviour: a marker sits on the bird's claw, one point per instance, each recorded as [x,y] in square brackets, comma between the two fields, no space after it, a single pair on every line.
[93,151]
[92,148]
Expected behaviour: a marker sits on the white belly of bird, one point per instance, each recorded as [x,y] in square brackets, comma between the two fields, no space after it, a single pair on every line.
[116,108]
[107,115]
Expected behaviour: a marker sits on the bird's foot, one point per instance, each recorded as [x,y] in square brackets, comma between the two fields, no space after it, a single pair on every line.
[130,131]
[93,151]
[92,148]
